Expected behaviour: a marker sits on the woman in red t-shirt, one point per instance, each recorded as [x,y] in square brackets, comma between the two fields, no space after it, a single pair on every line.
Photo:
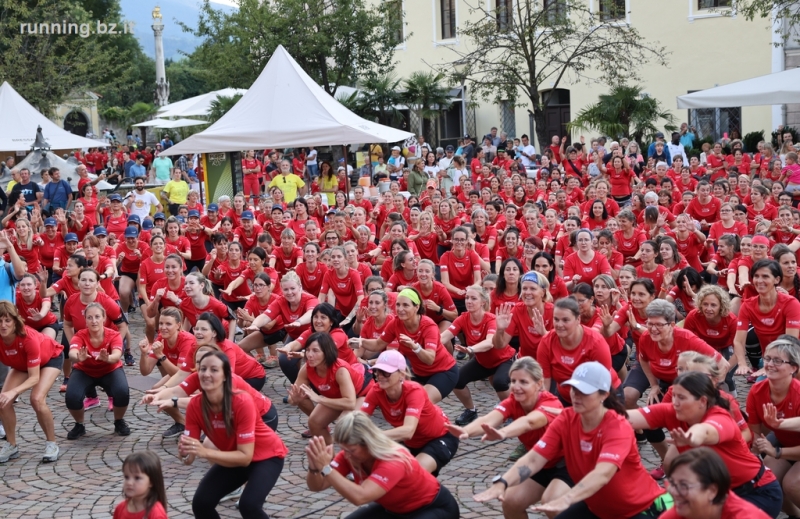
[342,285]
[405,271]
[512,248]
[209,330]
[649,269]
[478,327]
[436,299]
[27,244]
[34,308]
[599,449]
[244,449]
[167,291]
[527,320]
[629,237]
[150,271]
[311,271]
[383,471]
[509,285]
[770,313]
[327,386]
[700,416]
[34,361]
[230,270]
[444,223]
[262,297]
[420,342]
[486,233]
[96,352]
[585,264]
[200,299]
[460,268]
[418,423]
[372,319]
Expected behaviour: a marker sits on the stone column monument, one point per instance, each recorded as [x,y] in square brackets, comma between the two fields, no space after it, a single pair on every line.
[161,92]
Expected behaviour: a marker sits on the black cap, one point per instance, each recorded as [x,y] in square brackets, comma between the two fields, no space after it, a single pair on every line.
[449,148]
[659,135]
[466,136]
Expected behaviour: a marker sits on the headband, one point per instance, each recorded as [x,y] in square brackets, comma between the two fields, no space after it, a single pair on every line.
[760,240]
[407,292]
[531,276]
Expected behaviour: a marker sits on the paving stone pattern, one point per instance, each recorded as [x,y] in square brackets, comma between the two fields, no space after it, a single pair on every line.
[86,481]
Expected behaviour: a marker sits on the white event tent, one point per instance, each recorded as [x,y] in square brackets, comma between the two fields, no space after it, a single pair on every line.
[285,108]
[21,120]
[198,105]
[772,89]
[168,123]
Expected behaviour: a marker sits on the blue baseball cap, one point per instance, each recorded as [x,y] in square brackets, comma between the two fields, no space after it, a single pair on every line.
[213,207]
[277,207]
[147,224]
[70,237]
[159,216]
[131,232]
[181,219]
[194,213]
[247,215]
[100,231]
[115,198]
[134,218]
[50,222]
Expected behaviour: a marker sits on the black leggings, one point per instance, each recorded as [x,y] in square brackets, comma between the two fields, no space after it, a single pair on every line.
[115,384]
[270,418]
[290,367]
[473,370]
[219,481]
[256,383]
[444,506]
[580,510]
[190,264]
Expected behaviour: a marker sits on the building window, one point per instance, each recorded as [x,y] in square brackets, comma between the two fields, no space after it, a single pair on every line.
[448,13]
[395,8]
[712,4]
[505,14]
[715,122]
[556,10]
[508,119]
[612,10]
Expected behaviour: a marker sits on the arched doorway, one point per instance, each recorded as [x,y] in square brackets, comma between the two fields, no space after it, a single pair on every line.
[556,112]
[75,122]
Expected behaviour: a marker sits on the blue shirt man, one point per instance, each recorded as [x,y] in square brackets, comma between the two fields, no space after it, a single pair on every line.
[138,169]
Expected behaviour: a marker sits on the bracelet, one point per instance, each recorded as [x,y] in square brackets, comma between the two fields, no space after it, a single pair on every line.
[440,311]
[314,471]
[418,347]
[778,452]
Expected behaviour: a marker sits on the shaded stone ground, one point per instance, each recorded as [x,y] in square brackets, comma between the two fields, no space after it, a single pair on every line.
[86,482]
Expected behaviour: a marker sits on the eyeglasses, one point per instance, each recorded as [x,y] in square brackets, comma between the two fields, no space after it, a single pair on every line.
[379,372]
[656,325]
[776,361]
[259,285]
[680,488]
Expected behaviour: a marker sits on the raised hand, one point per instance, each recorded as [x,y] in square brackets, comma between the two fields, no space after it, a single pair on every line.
[491,434]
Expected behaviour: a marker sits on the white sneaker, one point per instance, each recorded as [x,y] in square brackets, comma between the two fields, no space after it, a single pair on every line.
[2,432]
[236,494]
[8,452]
[50,452]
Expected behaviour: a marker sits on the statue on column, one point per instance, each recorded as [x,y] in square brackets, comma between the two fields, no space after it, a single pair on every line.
[161,92]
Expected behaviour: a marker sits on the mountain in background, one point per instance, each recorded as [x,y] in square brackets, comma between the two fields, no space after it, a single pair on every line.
[175,39]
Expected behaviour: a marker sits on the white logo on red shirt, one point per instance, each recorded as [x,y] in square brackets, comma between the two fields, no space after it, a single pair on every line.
[586,446]
[324,387]
[567,360]
[768,321]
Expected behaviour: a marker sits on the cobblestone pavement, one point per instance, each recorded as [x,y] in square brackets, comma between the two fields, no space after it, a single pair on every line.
[86,481]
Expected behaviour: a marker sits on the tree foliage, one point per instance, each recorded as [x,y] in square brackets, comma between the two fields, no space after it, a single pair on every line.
[377,99]
[788,10]
[336,42]
[220,106]
[46,68]
[625,112]
[185,79]
[518,55]
[125,117]
[425,93]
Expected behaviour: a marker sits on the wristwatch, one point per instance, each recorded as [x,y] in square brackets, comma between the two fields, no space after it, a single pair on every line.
[174,401]
[326,470]
[500,479]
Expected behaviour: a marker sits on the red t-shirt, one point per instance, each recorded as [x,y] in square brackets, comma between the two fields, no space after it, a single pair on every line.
[438,295]
[460,270]
[664,365]
[629,246]
[247,428]
[48,250]
[157,512]
[785,315]
[150,272]
[73,311]
[197,244]
[130,260]
[427,246]
[427,336]
[311,281]
[657,275]
[742,464]
[522,326]
[182,354]
[114,224]
[263,404]
[35,349]
[280,309]
[27,310]
[620,180]
[339,338]
[512,409]
[718,336]
[717,230]
[414,402]
[214,306]
[708,211]
[573,265]
[284,261]
[612,442]
[789,407]
[474,334]
[345,290]
[734,508]
[558,363]
[399,279]
[230,273]
[328,386]
[112,340]
[242,364]
[408,486]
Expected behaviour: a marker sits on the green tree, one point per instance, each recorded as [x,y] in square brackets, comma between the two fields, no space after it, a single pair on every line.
[336,42]
[126,117]
[520,54]
[222,105]
[46,68]
[425,93]
[787,10]
[185,79]
[380,96]
[624,112]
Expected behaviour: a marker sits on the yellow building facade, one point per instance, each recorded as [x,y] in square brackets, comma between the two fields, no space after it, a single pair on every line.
[709,45]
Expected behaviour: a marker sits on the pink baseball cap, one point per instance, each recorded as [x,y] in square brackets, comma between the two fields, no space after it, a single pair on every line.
[390,361]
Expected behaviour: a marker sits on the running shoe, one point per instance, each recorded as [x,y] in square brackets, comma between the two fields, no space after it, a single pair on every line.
[50,452]
[129,361]
[461,355]
[121,427]
[63,387]
[658,473]
[111,403]
[519,452]
[271,362]
[176,430]
[91,403]
[236,494]
[2,432]
[466,417]
[8,452]
[76,432]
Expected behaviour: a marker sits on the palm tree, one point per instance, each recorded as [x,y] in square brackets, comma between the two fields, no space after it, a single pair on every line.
[381,96]
[425,94]
[220,106]
[624,112]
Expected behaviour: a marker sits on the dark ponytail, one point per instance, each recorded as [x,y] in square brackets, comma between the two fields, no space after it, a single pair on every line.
[613,403]
[700,385]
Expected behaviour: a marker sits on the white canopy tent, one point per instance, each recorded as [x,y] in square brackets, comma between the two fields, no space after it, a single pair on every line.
[285,108]
[167,123]
[154,123]
[21,120]
[772,89]
[198,105]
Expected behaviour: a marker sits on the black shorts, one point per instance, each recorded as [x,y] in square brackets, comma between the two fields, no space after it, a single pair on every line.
[638,381]
[364,389]
[444,381]
[270,418]
[133,275]
[56,327]
[190,264]
[441,449]
[256,383]
[775,443]
[56,362]
[274,337]
[618,360]
[545,476]
[461,305]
